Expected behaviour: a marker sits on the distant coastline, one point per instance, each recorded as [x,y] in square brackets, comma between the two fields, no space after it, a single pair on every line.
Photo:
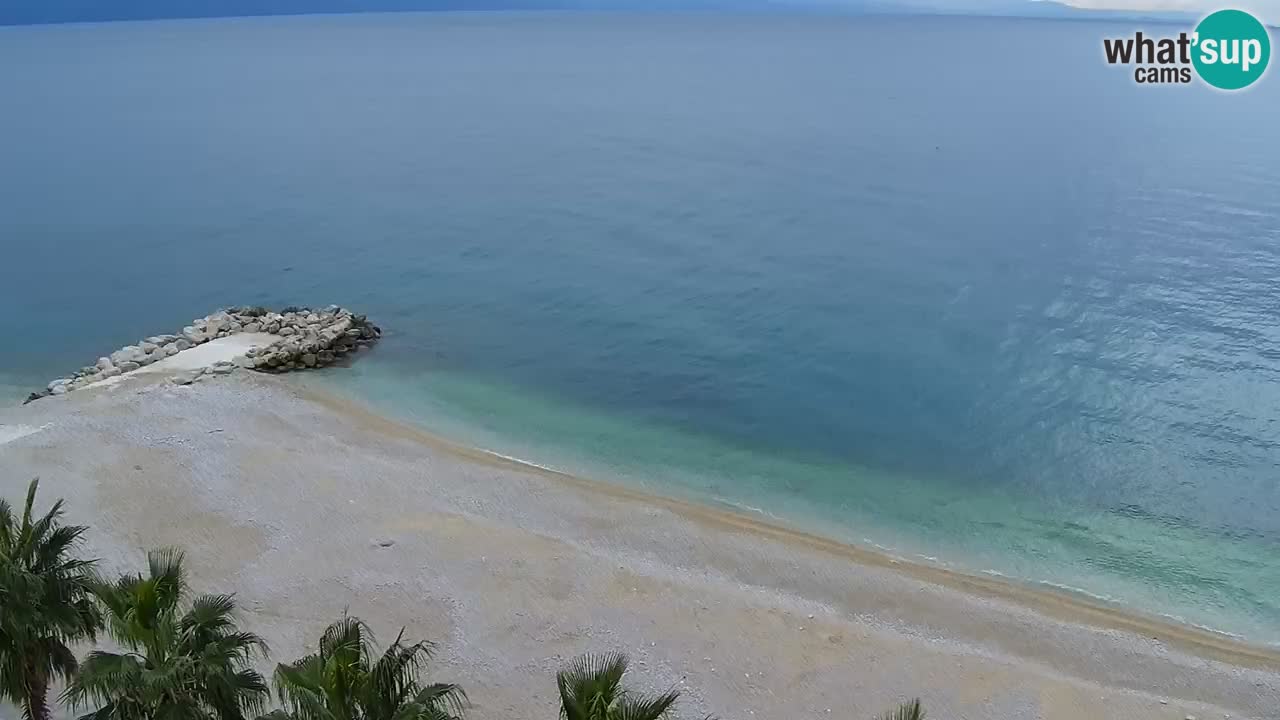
[55,12]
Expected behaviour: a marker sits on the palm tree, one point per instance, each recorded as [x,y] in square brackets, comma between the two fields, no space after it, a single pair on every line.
[45,603]
[191,665]
[906,711]
[344,680]
[591,689]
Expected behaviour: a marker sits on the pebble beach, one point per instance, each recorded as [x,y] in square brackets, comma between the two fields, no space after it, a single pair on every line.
[306,505]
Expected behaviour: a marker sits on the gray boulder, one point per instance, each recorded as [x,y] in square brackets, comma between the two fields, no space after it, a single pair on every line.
[128,353]
[186,378]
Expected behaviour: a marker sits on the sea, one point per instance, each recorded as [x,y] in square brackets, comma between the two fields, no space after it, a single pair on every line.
[949,287]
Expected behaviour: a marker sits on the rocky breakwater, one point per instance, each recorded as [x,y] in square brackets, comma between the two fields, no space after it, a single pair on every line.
[295,339]
[310,339]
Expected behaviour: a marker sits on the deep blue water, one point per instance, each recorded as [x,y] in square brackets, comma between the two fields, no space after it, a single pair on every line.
[949,286]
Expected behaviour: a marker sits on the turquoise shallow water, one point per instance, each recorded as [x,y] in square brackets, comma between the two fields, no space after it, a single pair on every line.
[941,305]
[1120,557]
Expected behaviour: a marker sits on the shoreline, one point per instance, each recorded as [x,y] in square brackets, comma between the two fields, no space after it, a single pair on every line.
[307,504]
[1057,603]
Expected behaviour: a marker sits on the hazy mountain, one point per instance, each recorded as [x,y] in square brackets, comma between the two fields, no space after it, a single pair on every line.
[21,12]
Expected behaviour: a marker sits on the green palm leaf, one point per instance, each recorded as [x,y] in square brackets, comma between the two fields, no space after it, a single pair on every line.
[591,689]
[906,711]
[590,686]
[346,680]
[190,665]
[634,708]
[45,593]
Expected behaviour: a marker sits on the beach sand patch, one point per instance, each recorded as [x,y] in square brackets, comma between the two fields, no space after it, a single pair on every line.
[9,433]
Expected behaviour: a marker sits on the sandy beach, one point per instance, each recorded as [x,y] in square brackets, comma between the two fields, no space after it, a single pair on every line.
[305,505]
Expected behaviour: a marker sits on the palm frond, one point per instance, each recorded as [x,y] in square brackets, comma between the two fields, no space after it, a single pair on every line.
[166,567]
[446,696]
[906,711]
[301,688]
[417,711]
[191,665]
[6,528]
[44,601]
[107,712]
[343,680]
[31,501]
[231,693]
[590,685]
[60,661]
[640,708]
[347,641]
[100,676]
[393,679]
[38,531]
[51,554]
[210,613]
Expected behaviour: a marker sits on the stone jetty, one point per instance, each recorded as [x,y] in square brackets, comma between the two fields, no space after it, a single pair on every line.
[301,338]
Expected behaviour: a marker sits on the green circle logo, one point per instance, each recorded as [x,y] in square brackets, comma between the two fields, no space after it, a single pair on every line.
[1231,49]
